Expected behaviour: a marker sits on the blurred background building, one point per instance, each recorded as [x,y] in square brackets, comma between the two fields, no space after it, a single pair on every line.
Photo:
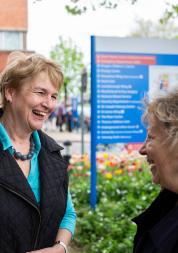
[13,28]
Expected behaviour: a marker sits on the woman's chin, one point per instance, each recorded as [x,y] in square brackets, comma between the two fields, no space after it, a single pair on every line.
[36,126]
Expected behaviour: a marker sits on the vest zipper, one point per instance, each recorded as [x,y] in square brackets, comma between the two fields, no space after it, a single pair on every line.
[21,196]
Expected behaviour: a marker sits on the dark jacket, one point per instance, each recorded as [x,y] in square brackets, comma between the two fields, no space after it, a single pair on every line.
[157,227]
[25,225]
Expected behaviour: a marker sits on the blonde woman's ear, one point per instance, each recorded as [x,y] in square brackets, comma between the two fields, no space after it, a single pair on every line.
[9,94]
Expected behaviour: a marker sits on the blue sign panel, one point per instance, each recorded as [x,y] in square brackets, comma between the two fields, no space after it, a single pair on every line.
[119,91]
[121,82]
[123,71]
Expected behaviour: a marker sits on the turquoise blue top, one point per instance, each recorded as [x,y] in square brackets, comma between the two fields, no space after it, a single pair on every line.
[69,219]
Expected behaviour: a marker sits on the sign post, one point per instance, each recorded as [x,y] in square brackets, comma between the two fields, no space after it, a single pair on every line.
[83,89]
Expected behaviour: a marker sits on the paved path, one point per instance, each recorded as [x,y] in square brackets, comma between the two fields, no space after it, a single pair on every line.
[74,137]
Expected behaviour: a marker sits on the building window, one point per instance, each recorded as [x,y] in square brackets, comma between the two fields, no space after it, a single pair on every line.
[11,40]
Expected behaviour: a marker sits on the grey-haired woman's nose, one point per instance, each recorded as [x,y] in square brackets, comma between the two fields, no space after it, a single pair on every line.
[142,149]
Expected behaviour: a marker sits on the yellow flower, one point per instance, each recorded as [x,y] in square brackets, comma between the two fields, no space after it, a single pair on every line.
[107,163]
[118,172]
[87,165]
[105,155]
[108,175]
[85,157]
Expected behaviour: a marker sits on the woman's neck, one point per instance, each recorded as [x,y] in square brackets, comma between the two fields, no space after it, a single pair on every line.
[13,130]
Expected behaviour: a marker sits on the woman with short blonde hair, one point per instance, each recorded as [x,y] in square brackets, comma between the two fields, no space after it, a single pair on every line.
[37,214]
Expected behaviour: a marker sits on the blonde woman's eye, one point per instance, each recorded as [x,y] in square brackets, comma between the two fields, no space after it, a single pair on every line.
[54,97]
[39,92]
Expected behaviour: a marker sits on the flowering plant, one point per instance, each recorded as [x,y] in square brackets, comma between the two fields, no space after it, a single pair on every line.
[124,189]
[108,164]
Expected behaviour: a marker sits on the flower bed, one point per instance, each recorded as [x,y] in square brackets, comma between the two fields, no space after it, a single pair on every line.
[124,189]
[108,164]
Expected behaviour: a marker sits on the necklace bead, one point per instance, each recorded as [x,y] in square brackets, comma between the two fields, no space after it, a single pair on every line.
[20,156]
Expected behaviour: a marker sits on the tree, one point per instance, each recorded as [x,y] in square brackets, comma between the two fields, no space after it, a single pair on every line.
[77,7]
[71,59]
[171,13]
[147,28]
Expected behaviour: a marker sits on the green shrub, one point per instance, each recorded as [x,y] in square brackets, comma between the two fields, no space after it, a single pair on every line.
[109,228]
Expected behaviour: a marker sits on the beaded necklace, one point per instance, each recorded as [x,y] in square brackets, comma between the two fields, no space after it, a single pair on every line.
[20,156]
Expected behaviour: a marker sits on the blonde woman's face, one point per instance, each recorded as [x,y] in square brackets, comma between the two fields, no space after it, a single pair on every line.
[33,103]
[163,161]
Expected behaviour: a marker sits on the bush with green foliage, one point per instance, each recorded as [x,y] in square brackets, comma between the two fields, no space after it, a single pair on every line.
[109,228]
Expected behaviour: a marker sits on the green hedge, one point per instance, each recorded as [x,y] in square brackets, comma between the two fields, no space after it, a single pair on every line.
[109,228]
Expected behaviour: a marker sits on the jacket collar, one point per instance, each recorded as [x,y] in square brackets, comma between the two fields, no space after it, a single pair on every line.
[160,225]
[48,142]
[12,178]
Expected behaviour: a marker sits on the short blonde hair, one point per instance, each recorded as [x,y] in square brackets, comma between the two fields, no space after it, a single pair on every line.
[21,66]
[164,109]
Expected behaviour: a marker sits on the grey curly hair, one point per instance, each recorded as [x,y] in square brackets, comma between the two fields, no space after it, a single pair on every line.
[164,109]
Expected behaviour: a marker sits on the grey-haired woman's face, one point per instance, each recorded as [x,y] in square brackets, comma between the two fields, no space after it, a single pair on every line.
[163,161]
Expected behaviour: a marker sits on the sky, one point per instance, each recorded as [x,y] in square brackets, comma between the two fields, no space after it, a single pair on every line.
[47,20]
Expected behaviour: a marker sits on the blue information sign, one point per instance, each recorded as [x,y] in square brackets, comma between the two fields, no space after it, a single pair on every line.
[123,71]
[119,92]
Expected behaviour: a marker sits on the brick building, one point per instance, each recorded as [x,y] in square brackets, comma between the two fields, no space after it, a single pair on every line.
[13,27]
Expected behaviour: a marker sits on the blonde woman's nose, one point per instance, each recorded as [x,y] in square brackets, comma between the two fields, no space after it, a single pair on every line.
[47,102]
